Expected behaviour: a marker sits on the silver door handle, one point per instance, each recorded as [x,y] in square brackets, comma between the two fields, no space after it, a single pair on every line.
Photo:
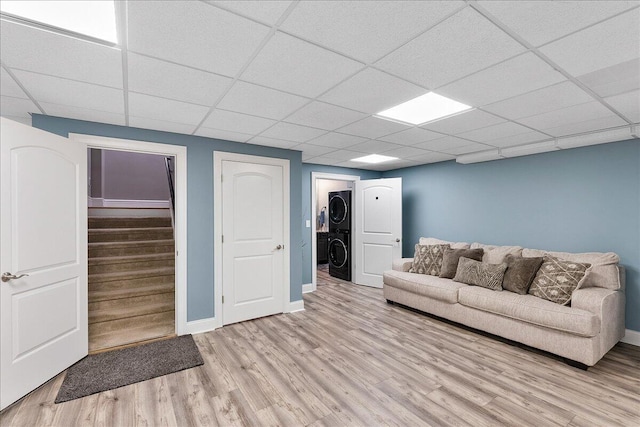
[8,276]
[279,247]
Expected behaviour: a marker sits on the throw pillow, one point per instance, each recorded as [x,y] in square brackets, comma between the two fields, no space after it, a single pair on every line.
[520,273]
[451,257]
[478,273]
[557,279]
[428,259]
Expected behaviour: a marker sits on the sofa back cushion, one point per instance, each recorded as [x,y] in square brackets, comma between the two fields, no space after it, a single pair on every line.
[434,241]
[604,271]
[495,254]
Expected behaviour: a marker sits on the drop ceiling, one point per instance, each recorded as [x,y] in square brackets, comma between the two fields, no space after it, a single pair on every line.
[310,75]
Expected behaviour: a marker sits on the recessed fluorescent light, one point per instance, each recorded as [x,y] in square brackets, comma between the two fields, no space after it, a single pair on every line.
[424,108]
[96,19]
[374,158]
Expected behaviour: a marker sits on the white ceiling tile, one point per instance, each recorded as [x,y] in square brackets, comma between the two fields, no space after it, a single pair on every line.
[432,157]
[223,134]
[320,160]
[193,33]
[309,151]
[586,126]
[165,109]
[627,104]
[291,132]
[464,43]
[540,101]
[500,130]
[373,127]
[344,155]
[513,77]
[444,144]
[9,87]
[411,136]
[522,138]
[337,140]
[231,121]
[573,114]
[266,11]
[17,107]
[365,30]
[295,66]
[405,152]
[608,43]
[540,22]
[31,49]
[271,142]
[356,92]
[72,93]
[390,165]
[324,116]
[161,125]
[83,114]
[260,101]
[160,78]
[21,119]
[464,122]
[374,147]
[614,80]
[465,149]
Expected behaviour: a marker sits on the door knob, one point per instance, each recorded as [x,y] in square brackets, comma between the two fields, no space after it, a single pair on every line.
[279,247]
[397,240]
[8,276]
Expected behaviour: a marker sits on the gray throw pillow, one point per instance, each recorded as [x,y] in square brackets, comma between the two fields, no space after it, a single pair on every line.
[520,273]
[557,279]
[428,259]
[451,257]
[478,273]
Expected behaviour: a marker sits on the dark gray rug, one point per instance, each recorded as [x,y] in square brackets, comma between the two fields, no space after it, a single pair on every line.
[113,369]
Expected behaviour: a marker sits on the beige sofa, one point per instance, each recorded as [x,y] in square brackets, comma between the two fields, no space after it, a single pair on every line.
[582,332]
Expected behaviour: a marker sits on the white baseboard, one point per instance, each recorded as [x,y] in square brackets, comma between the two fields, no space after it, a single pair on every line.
[307,287]
[295,306]
[119,203]
[631,337]
[202,325]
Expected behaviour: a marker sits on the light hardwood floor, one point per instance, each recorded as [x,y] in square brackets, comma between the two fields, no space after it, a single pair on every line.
[352,359]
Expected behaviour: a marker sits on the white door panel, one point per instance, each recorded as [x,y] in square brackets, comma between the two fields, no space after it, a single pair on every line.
[43,220]
[378,224]
[253,228]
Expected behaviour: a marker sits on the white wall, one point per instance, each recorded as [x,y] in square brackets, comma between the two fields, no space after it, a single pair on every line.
[323,187]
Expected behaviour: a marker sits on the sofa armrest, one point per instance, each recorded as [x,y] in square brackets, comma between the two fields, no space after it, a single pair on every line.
[609,306]
[402,264]
[592,299]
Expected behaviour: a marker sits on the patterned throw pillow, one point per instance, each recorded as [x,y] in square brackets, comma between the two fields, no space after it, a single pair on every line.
[478,273]
[451,258]
[557,279]
[428,259]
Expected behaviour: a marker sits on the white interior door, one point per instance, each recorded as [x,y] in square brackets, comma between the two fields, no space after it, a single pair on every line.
[43,221]
[253,267]
[378,228]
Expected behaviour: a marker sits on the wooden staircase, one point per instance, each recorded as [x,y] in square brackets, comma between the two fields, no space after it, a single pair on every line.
[131,277]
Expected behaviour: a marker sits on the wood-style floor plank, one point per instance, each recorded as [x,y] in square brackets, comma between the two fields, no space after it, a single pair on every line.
[351,359]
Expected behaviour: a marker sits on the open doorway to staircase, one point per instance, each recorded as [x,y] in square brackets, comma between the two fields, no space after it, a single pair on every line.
[132,253]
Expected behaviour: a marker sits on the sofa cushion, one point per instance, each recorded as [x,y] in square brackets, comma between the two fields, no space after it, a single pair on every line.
[604,266]
[495,254]
[421,284]
[434,241]
[528,308]
[479,273]
[557,279]
[451,258]
[520,273]
[428,259]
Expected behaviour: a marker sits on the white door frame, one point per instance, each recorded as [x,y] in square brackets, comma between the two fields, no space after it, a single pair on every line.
[180,231]
[218,158]
[314,236]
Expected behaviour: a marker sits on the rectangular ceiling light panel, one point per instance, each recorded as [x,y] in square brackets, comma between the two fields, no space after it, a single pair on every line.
[423,109]
[374,158]
[96,19]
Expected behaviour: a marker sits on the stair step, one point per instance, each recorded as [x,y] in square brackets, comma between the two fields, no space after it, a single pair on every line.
[119,332]
[103,249]
[141,222]
[108,286]
[130,234]
[102,311]
[112,212]
[130,263]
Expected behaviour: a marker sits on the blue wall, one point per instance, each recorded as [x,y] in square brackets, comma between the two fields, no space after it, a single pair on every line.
[306,206]
[579,200]
[200,303]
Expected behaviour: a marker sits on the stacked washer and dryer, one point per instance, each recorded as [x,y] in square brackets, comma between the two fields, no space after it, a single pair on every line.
[340,234]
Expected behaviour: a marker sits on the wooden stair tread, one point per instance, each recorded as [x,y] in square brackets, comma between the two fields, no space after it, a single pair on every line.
[127,230]
[107,310]
[129,244]
[130,258]
[97,222]
[122,275]
[98,295]
[134,329]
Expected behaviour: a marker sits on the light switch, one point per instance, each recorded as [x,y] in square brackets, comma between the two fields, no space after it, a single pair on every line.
[308,223]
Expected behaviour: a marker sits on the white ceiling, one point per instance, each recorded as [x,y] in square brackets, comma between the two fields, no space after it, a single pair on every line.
[310,75]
